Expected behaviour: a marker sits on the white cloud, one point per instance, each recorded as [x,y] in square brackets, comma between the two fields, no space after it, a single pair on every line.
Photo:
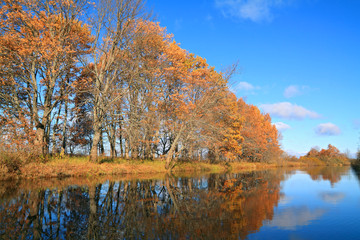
[293,91]
[327,129]
[280,126]
[288,110]
[254,10]
[293,217]
[244,86]
[332,197]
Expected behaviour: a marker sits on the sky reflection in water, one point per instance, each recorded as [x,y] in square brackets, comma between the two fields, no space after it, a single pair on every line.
[322,203]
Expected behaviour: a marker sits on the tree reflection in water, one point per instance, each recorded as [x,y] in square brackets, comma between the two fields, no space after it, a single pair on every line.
[332,174]
[356,168]
[211,207]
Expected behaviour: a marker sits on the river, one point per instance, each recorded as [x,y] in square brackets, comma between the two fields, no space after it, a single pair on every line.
[311,203]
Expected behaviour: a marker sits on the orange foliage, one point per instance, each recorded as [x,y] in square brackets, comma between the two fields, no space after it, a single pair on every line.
[139,87]
[15,133]
[40,43]
[329,156]
[260,136]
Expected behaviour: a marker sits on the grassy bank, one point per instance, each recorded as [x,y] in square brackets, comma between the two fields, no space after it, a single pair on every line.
[81,167]
[56,167]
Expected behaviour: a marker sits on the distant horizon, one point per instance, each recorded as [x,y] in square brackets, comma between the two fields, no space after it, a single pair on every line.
[298,61]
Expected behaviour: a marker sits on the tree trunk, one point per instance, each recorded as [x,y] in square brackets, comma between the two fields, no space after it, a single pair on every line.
[127,149]
[112,147]
[55,149]
[101,144]
[95,143]
[47,137]
[173,148]
[134,151]
[92,215]
[94,152]
[63,146]
[121,145]
[148,155]
[40,139]
[111,133]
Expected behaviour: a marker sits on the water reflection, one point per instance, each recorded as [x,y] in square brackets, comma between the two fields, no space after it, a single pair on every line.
[332,174]
[215,206]
[291,218]
[228,206]
[332,197]
[356,169]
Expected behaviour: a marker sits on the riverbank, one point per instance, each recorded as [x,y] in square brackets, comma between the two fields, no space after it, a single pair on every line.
[81,167]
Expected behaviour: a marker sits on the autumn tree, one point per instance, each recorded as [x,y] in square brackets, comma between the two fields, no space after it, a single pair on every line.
[146,64]
[120,81]
[112,27]
[260,135]
[225,139]
[192,92]
[40,42]
[329,156]
[80,130]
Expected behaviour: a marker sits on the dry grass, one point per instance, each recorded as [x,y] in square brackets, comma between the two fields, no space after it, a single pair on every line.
[80,166]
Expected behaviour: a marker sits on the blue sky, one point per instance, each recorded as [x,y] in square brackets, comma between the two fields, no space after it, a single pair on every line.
[299,60]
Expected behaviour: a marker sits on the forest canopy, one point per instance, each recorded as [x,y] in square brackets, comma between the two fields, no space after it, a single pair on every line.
[116,80]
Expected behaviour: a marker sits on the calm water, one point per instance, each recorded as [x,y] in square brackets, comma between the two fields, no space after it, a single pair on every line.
[316,203]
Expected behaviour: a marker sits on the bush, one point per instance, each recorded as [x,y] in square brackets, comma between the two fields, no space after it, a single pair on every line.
[11,161]
[312,160]
[329,156]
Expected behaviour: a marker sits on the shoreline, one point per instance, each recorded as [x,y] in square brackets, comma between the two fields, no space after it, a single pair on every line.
[80,167]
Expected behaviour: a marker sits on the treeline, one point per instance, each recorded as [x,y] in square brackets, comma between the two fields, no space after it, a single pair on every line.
[329,156]
[77,77]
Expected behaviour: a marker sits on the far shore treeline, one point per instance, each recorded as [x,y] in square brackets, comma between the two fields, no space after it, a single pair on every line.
[79,78]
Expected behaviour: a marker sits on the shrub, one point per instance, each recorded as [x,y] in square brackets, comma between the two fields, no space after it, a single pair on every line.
[11,161]
[329,156]
[310,160]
